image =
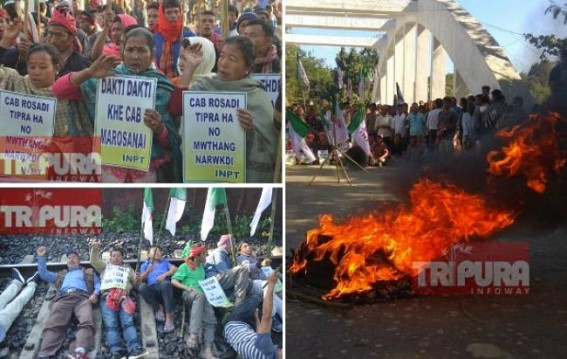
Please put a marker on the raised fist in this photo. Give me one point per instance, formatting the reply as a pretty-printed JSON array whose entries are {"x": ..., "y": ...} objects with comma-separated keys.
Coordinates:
[{"x": 41, "y": 251}]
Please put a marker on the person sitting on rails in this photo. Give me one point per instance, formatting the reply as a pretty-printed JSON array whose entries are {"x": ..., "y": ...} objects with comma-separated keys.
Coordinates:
[
  {"x": 155, "y": 286},
  {"x": 78, "y": 289}
]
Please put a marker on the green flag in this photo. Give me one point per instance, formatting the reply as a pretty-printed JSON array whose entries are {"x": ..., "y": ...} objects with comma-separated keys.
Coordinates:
[{"x": 215, "y": 197}]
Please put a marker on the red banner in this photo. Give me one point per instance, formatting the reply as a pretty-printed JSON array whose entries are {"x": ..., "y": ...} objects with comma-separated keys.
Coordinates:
[{"x": 50, "y": 211}]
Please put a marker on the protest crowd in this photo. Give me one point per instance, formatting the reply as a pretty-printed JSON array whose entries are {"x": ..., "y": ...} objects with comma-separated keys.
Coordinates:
[
  {"x": 120, "y": 71},
  {"x": 235, "y": 301},
  {"x": 381, "y": 134}
]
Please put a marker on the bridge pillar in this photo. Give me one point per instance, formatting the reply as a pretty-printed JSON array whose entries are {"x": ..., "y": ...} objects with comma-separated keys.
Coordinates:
[
  {"x": 390, "y": 79},
  {"x": 399, "y": 61},
  {"x": 460, "y": 88},
  {"x": 408, "y": 86},
  {"x": 437, "y": 70},
  {"x": 421, "y": 64}
]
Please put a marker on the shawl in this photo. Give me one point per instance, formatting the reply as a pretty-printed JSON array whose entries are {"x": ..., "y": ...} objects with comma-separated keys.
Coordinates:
[
  {"x": 170, "y": 33},
  {"x": 209, "y": 56},
  {"x": 163, "y": 93},
  {"x": 262, "y": 141},
  {"x": 117, "y": 298},
  {"x": 266, "y": 61}
]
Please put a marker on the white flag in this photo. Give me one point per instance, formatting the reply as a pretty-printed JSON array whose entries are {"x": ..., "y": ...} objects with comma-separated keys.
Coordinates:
[
  {"x": 264, "y": 202},
  {"x": 178, "y": 197},
  {"x": 147, "y": 221},
  {"x": 215, "y": 197}
]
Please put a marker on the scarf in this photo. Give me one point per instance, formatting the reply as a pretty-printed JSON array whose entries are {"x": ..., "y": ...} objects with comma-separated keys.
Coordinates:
[
  {"x": 170, "y": 33},
  {"x": 117, "y": 299},
  {"x": 195, "y": 252},
  {"x": 262, "y": 141},
  {"x": 267, "y": 60},
  {"x": 67, "y": 21}
]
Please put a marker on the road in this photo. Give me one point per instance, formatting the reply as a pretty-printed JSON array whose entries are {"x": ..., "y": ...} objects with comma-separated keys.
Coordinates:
[{"x": 532, "y": 326}]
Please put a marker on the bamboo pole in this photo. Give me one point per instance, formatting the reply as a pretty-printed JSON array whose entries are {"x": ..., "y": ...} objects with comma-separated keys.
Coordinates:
[{"x": 272, "y": 220}]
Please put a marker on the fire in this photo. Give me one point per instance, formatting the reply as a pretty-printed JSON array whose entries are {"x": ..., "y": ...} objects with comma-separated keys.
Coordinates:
[
  {"x": 533, "y": 151},
  {"x": 437, "y": 216}
]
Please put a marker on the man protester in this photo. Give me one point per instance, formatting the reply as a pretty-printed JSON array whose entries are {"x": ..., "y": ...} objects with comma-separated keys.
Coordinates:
[
  {"x": 13, "y": 299},
  {"x": 117, "y": 307},
  {"x": 156, "y": 287},
  {"x": 202, "y": 317},
  {"x": 230, "y": 278},
  {"x": 78, "y": 289},
  {"x": 261, "y": 34},
  {"x": 239, "y": 330},
  {"x": 206, "y": 29},
  {"x": 62, "y": 34},
  {"x": 87, "y": 23}
]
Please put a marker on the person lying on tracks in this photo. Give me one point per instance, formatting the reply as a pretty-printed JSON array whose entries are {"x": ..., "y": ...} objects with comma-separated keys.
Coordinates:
[
  {"x": 78, "y": 289},
  {"x": 12, "y": 301}
]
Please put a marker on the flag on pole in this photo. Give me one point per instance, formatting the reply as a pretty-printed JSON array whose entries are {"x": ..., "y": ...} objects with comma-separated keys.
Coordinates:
[
  {"x": 147, "y": 221},
  {"x": 361, "y": 86},
  {"x": 358, "y": 132},
  {"x": 215, "y": 197},
  {"x": 301, "y": 73},
  {"x": 177, "y": 199},
  {"x": 400, "y": 96},
  {"x": 265, "y": 200},
  {"x": 339, "y": 130},
  {"x": 298, "y": 130}
]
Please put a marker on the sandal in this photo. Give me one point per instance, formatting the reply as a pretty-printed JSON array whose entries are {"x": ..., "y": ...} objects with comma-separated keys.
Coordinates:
[
  {"x": 168, "y": 327},
  {"x": 160, "y": 317},
  {"x": 192, "y": 342}
]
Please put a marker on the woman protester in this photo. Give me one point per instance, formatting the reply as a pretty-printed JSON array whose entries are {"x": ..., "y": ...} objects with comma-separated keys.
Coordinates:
[
  {"x": 234, "y": 65},
  {"x": 43, "y": 64},
  {"x": 114, "y": 26},
  {"x": 138, "y": 55}
]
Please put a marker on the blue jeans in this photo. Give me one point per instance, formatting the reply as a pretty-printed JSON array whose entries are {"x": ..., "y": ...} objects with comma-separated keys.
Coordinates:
[
  {"x": 112, "y": 321},
  {"x": 245, "y": 311}
]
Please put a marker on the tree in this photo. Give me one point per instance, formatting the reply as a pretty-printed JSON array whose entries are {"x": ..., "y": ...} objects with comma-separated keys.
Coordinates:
[
  {"x": 537, "y": 79},
  {"x": 320, "y": 77},
  {"x": 549, "y": 44},
  {"x": 357, "y": 66}
]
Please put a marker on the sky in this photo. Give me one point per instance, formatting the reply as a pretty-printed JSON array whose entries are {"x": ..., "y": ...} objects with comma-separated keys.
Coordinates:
[{"x": 505, "y": 20}]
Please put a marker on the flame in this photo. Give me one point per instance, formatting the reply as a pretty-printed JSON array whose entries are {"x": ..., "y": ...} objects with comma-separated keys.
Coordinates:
[
  {"x": 533, "y": 151},
  {"x": 438, "y": 216}
]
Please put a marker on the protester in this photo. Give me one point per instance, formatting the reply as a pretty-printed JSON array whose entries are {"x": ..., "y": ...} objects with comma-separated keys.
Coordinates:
[
  {"x": 232, "y": 279},
  {"x": 155, "y": 286},
  {"x": 206, "y": 28},
  {"x": 78, "y": 289},
  {"x": 114, "y": 26},
  {"x": 168, "y": 33},
  {"x": 153, "y": 14},
  {"x": 258, "y": 277},
  {"x": 234, "y": 67},
  {"x": 116, "y": 305},
  {"x": 202, "y": 315},
  {"x": 12, "y": 301},
  {"x": 243, "y": 21},
  {"x": 138, "y": 57},
  {"x": 267, "y": 60},
  {"x": 247, "y": 333},
  {"x": 43, "y": 64}
]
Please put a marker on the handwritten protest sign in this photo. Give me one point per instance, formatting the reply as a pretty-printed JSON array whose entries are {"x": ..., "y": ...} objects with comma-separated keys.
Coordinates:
[
  {"x": 125, "y": 141},
  {"x": 213, "y": 141},
  {"x": 27, "y": 124},
  {"x": 214, "y": 293},
  {"x": 272, "y": 84}
]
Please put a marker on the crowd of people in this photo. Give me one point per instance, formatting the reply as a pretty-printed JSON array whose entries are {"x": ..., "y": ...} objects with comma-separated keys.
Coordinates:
[
  {"x": 247, "y": 326},
  {"x": 75, "y": 47},
  {"x": 443, "y": 126}
]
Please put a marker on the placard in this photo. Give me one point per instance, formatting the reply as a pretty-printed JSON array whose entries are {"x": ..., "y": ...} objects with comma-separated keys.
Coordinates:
[
  {"x": 125, "y": 141},
  {"x": 214, "y": 293},
  {"x": 214, "y": 144},
  {"x": 272, "y": 84}
]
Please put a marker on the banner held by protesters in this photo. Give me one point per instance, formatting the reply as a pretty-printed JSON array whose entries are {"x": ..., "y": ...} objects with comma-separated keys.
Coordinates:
[
  {"x": 119, "y": 120},
  {"x": 214, "y": 142}
]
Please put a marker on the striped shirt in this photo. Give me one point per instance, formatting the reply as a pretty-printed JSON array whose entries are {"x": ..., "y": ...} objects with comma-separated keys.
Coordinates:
[{"x": 247, "y": 343}]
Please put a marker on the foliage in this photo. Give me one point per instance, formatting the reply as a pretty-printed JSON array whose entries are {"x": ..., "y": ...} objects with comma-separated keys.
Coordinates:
[
  {"x": 449, "y": 83},
  {"x": 320, "y": 77},
  {"x": 549, "y": 44},
  {"x": 537, "y": 79},
  {"x": 122, "y": 221},
  {"x": 356, "y": 66}
]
